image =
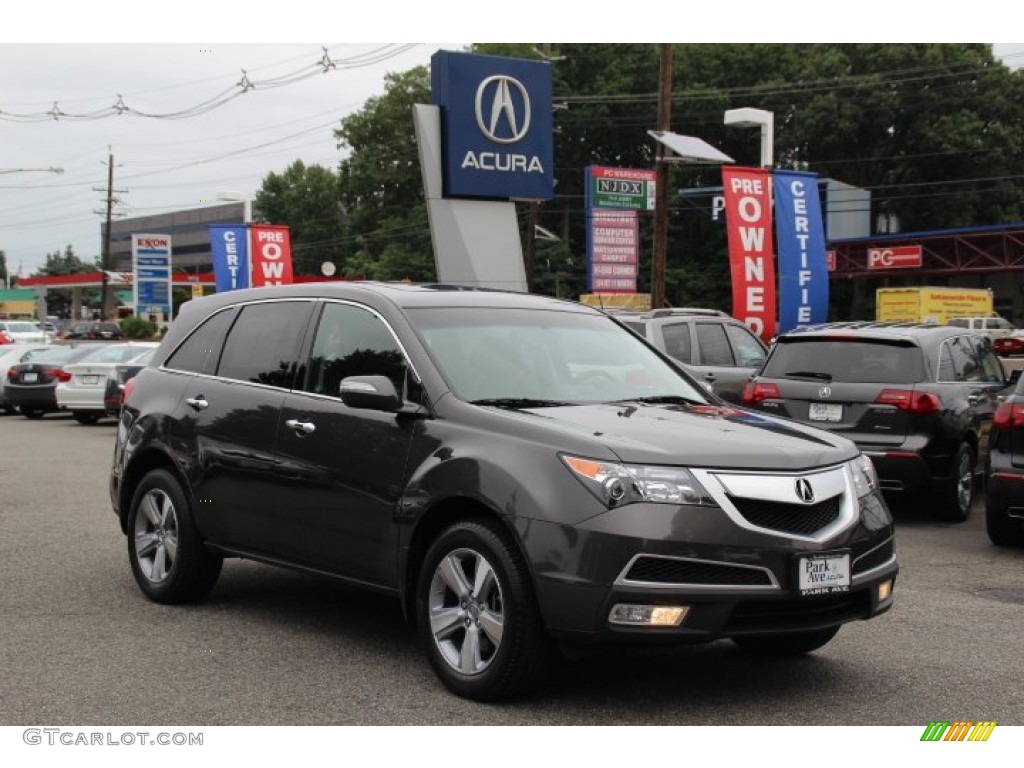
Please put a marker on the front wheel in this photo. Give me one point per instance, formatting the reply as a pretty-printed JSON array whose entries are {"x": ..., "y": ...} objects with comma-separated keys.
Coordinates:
[
  {"x": 477, "y": 615},
  {"x": 788, "y": 644},
  {"x": 85, "y": 417},
  {"x": 31, "y": 413},
  {"x": 956, "y": 492},
  {"x": 168, "y": 559}
]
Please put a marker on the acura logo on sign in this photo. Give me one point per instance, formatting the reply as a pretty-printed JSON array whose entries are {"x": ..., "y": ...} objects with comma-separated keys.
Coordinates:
[
  {"x": 505, "y": 122},
  {"x": 825, "y": 392},
  {"x": 804, "y": 492}
]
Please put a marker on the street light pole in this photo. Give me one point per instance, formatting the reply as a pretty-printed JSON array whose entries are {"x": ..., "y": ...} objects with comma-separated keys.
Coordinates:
[
  {"x": 748, "y": 117},
  {"x": 660, "y": 255}
]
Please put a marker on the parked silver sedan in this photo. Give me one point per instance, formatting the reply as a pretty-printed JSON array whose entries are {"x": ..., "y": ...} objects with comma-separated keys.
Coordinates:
[{"x": 83, "y": 389}]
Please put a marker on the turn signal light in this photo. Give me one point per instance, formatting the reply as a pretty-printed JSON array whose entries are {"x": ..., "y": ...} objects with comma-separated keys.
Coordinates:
[
  {"x": 910, "y": 401},
  {"x": 1007, "y": 416}
]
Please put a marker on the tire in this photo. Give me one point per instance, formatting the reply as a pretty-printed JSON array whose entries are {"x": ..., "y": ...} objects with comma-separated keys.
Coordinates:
[
  {"x": 1003, "y": 530},
  {"x": 9, "y": 409},
  {"x": 477, "y": 615},
  {"x": 956, "y": 492},
  {"x": 168, "y": 558},
  {"x": 32, "y": 413},
  {"x": 86, "y": 417},
  {"x": 788, "y": 644}
]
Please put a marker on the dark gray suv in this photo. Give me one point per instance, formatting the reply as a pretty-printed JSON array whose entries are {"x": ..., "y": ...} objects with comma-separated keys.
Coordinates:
[
  {"x": 715, "y": 347},
  {"x": 513, "y": 469}
]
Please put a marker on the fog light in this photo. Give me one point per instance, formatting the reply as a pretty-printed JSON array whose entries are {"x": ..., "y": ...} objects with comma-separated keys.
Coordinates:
[
  {"x": 884, "y": 590},
  {"x": 648, "y": 615}
]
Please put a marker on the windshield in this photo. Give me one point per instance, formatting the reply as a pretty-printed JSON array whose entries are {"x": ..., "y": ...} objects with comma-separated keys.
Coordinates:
[
  {"x": 23, "y": 327},
  {"x": 547, "y": 356},
  {"x": 51, "y": 355},
  {"x": 114, "y": 354}
]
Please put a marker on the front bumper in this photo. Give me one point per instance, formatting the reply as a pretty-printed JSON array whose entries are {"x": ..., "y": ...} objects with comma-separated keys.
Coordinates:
[{"x": 733, "y": 581}]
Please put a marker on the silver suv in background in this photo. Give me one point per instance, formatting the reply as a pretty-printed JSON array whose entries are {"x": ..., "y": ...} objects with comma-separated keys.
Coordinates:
[
  {"x": 993, "y": 327},
  {"x": 714, "y": 347}
]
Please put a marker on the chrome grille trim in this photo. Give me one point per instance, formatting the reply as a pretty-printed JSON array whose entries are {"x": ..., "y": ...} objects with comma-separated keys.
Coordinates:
[{"x": 622, "y": 581}]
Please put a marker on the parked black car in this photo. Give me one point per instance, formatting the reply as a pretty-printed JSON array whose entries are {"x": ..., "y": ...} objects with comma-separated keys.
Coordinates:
[
  {"x": 1004, "y": 491},
  {"x": 917, "y": 399},
  {"x": 512, "y": 468},
  {"x": 714, "y": 346},
  {"x": 95, "y": 330},
  {"x": 31, "y": 386}
]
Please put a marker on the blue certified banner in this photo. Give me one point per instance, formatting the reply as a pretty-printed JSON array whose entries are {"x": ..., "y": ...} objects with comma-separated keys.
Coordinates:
[
  {"x": 496, "y": 124},
  {"x": 800, "y": 240},
  {"x": 230, "y": 248}
]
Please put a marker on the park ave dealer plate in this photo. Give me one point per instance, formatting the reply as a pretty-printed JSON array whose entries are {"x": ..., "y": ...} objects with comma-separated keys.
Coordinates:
[
  {"x": 826, "y": 412},
  {"x": 824, "y": 574}
]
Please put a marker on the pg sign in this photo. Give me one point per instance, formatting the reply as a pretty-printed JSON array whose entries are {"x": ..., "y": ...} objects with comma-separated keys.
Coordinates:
[
  {"x": 899, "y": 257},
  {"x": 496, "y": 126}
]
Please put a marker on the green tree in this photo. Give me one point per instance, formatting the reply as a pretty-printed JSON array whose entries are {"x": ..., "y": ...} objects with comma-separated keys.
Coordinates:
[
  {"x": 381, "y": 186},
  {"x": 3, "y": 269},
  {"x": 306, "y": 198},
  {"x": 58, "y": 301}
]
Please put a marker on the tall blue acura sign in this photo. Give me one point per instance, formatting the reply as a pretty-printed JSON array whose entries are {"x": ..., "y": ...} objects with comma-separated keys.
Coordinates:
[{"x": 496, "y": 124}]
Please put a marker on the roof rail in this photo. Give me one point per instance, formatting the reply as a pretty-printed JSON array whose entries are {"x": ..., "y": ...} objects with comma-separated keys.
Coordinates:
[{"x": 687, "y": 311}]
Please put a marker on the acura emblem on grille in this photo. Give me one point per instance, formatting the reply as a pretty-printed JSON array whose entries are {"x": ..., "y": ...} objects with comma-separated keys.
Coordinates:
[
  {"x": 804, "y": 492},
  {"x": 825, "y": 392}
]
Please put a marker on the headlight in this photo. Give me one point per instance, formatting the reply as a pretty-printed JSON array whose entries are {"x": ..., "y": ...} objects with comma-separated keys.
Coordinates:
[
  {"x": 865, "y": 479},
  {"x": 617, "y": 484}
]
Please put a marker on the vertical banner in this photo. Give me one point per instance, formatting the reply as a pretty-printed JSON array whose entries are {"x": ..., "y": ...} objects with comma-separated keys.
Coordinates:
[
  {"x": 230, "y": 250},
  {"x": 151, "y": 270},
  {"x": 800, "y": 237},
  {"x": 748, "y": 215},
  {"x": 613, "y": 251},
  {"x": 271, "y": 255}
]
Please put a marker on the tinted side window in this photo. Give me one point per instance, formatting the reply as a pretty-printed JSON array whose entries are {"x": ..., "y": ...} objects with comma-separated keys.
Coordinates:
[
  {"x": 959, "y": 322},
  {"x": 200, "y": 351},
  {"x": 714, "y": 345},
  {"x": 263, "y": 344},
  {"x": 352, "y": 341},
  {"x": 991, "y": 370},
  {"x": 965, "y": 364},
  {"x": 677, "y": 341},
  {"x": 748, "y": 350}
]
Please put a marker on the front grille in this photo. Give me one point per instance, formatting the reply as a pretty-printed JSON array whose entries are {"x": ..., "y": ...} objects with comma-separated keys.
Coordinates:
[
  {"x": 663, "y": 570},
  {"x": 803, "y": 519},
  {"x": 874, "y": 558},
  {"x": 793, "y": 615}
]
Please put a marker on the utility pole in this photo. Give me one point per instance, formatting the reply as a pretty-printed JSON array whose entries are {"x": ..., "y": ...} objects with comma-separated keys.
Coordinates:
[
  {"x": 534, "y": 216},
  {"x": 106, "y": 296},
  {"x": 660, "y": 256}
]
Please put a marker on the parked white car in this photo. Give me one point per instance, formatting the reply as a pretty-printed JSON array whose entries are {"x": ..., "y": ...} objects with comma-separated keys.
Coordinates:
[
  {"x": 82, "y": 392},
  {"x": 25, "y": 331},
  {"x": 12, "y": 354}
]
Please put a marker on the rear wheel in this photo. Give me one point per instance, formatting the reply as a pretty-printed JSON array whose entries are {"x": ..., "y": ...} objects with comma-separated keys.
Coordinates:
[
  {"x": 477, "y": 615},
  {"x": 1003, "y": 530},
  {"x": 86, "y": 417},
  {"x": 168, "y": 558},
  {"x": 956, "y": 492},
  {"x": 788, "y": 644}
]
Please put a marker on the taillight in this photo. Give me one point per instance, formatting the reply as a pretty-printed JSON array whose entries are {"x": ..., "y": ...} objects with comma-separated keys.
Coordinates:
[
  {"x": 755, "y": 392},
  {"x": 1009, "y": 416},
  {"x": 60, "y": 375},
  {"x": 129, "y": 387},
  {"x": 910, "y": 401},
  {"x": 12, "y": 374}
]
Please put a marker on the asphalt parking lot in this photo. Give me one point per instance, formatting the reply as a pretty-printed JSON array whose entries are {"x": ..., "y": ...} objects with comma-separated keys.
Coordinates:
[{"x": 79, "y": 645}]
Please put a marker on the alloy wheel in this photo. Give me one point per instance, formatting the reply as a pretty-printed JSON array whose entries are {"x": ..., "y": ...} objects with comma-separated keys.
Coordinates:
[{"x": 156, "y": 535}]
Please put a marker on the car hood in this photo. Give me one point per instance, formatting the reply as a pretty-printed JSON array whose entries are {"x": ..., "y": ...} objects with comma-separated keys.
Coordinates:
[{"x": 700, "y": 435}]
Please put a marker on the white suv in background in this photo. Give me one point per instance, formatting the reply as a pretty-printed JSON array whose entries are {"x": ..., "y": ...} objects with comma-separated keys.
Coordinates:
[{"x": 993, "y": 327}]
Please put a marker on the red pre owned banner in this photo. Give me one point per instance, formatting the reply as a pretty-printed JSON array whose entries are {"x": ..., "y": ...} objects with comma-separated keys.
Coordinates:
[
  {"x": 271, "y": 255},
  {"x": 748, "y": 210}
]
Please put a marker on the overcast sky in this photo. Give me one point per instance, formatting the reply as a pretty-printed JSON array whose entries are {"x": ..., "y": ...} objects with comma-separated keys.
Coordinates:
[{"x": 166, "y": 163}]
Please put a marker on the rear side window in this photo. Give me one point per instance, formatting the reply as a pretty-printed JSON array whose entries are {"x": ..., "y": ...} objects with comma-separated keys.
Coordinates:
[
  {"x": 263, "y": 344},
  {"x": 852, "y": 360},
  {"x": 200, "y": 351},
  {"x": 714, "y": 345},
  {"x": 677, "y": 341},
  {"x": 959, "y": 361},
  {"x": 748, "y": 350}
]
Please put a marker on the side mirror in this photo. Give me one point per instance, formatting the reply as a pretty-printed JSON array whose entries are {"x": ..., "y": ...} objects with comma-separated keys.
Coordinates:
[{"x": 374, "y": 393}]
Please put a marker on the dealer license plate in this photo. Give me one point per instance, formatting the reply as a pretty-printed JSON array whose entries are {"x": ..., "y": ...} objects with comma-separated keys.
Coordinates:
[
  {"x": 826, "y": 412},
  {"x": 824, "y": 574},
  {"x": 90, "y": 380},
  {"x": 29, "y": 378}
]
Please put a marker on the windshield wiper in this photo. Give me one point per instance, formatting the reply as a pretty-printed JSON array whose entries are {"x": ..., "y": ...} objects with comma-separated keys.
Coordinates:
[
  {"x": 663, "y": 399},
  {"x": 518, "y": 402},
  {"x": 809, "y": 375}
]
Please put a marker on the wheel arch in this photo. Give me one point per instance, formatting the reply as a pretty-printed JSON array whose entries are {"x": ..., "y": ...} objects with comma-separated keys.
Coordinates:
[{"x": 140, "y": 466}]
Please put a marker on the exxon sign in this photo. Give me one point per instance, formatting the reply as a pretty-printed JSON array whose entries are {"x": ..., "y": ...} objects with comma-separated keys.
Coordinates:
[{"x": 497, "y": 127}]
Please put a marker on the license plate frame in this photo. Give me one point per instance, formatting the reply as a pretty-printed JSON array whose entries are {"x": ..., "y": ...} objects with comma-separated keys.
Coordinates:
[
  {"x": 823, "y": 573},
  {"x": 29, "y": 378},
  {"x": 90, "y": 381},
  {"x": 830, "y": 412}
]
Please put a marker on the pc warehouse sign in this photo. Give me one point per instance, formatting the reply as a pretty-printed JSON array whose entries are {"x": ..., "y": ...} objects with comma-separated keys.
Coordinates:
[
  {"x": 496, "y": 126},
  {"x": 151, "y": 266}
]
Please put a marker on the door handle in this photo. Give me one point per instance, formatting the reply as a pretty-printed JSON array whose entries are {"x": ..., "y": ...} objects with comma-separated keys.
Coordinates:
[
  {"x": 301, "y": 427},
  {"x": 197, "y": 403}
]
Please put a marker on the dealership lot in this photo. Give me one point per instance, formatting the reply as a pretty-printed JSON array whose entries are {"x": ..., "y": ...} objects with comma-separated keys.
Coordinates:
[{"x": 80, "y": 645}]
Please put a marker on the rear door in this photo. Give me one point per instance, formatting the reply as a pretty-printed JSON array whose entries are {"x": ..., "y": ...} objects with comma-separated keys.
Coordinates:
[
  {"x": 855, "y": 386},
  {"x": 727, "y": 355}
]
